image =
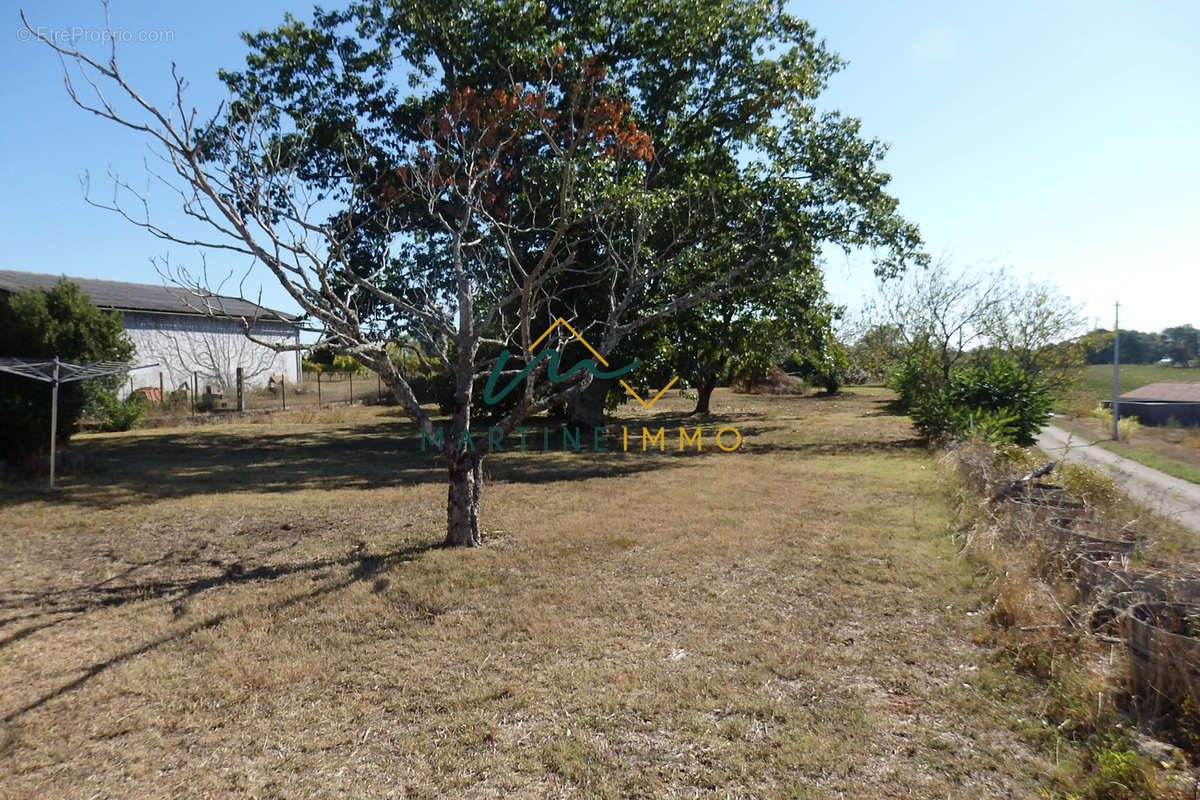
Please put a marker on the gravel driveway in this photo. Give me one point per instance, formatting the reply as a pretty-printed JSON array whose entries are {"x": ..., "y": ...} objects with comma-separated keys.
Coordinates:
[{"x": 1173, "y": 497}]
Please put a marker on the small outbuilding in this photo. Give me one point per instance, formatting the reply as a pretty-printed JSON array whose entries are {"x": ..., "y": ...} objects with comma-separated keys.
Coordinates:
[{"x": 1160, "y": 403}]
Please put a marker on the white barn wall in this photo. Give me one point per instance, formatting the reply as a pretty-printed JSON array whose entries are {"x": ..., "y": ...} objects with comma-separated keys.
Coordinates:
[{"x": 214, "y": 347}]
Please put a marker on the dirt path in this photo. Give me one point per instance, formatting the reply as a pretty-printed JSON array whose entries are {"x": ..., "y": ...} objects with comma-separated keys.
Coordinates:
[{"x": 1168, "y": 495}]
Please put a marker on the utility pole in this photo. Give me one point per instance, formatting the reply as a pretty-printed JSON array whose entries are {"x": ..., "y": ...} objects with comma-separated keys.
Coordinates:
[{"x": 1116, "y": 403}]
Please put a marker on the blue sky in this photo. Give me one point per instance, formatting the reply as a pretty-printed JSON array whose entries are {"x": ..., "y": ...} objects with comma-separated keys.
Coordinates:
[{"x": 1059, "y": 138}]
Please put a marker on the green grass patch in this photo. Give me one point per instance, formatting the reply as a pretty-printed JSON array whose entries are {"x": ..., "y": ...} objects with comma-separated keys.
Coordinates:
[{"x": 1167, "y": 465}]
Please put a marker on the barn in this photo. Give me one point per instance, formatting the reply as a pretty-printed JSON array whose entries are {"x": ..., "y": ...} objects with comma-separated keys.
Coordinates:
[
  {"x": 1160, "y": 403},
  {"x": 185, "y": 331}
]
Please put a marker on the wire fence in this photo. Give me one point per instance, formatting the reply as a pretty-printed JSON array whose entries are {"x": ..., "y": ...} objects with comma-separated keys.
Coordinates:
[{"x": 197, "y": 398}]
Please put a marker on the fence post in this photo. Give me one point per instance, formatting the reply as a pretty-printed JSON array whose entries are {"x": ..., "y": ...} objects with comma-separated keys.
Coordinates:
[
  {"x": 283, "y": 390},
  {"x": 162, "y": 396},
  {"x": 318, "y": 390},
  {"x": 195, "y": 390},
  {"x": 241, "y": 389},
  {"x": 351, "y": 388}
]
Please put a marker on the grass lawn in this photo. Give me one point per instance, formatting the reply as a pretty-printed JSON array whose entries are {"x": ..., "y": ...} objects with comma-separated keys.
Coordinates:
[{"x": 261, "y": 611}]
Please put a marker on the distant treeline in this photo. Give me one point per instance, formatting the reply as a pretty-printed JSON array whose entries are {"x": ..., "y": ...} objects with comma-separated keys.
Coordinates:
[{"x": 1180, "y": 344}]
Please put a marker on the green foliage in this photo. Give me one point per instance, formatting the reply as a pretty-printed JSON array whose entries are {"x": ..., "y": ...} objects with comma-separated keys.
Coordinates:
[
  {"x": 917, "y": 375},
  {"x": 1182, "y": 344},
  {"x": 707, "y": 82},
  {"x": 1118, "y": 772},
  {"x": 38, "y": 324},
  {"x": 1126, "y": 426},
  {"x": 1087, "y": 485},
  {"x": 115, "y": 414},
  {"x": 995, "y": 399},
  {"x": 1136, "y": 347},
  {"x": 876, "y": 352},
  {"x": 828, "y": 366},
  {"x": 326, "y": 363},
  {"x": 939, "y": 319},
  {"x": 405, "y": 357}
]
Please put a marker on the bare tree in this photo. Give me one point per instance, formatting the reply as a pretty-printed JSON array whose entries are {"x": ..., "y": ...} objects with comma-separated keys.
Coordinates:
[
  {"x": 942, "y": 309},
  {"x": 1042, "y": 330},
  {"x": 948, "y": 312},
  {"x": 475, "y": 269}
]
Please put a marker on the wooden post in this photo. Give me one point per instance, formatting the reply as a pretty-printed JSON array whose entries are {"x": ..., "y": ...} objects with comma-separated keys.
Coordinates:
[
  {"x": 318, "y": 390},
  {"x": 195, "y": 390},
  {"x": 162, "y": 396},
  {"x": 283, "y": 390},
  {"x": 241, "y": 389},
  {"x": 131, "y": 384},
  {"x": 351, "y": 388},
  {"x": 53, "y": 422}
]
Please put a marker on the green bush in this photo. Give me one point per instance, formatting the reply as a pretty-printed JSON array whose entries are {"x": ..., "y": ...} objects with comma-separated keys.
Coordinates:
[
  {"x": 828, "y": 368},
  {"x": 1126, "y": 426},
  {"x": 994, "y": 399},
  {"x": 41, "y": 324},
  {"x": 915, "y": 378},
  {"x": 115, "y": 414}
]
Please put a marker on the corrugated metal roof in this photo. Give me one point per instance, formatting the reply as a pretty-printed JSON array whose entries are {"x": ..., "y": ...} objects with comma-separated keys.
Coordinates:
[
  {"x": 122, "y": 296},
  {"x": 1166, "y": 392}
]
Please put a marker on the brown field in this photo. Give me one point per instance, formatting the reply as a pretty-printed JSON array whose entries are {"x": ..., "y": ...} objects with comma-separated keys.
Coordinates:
[{"x": 260, "y": 610}]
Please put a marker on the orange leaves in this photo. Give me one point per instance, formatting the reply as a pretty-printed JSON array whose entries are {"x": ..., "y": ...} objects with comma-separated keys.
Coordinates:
[{"x": 481, "y": 143}]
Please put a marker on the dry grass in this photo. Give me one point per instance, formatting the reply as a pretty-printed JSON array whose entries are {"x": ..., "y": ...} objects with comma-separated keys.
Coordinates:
[
  {"x": 258, "y": 611},
  {"x": 1061, "y": 631}
]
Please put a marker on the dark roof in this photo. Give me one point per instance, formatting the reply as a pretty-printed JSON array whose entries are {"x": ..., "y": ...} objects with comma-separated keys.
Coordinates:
[
  {"x": 121, "y": 296},
  {"x": 1165, "y": 392}
]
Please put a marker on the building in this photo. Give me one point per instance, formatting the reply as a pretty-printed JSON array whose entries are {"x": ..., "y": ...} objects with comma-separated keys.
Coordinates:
[
  {"x": 184, "y": 331},
  {"x": 1159, "y": 403}
]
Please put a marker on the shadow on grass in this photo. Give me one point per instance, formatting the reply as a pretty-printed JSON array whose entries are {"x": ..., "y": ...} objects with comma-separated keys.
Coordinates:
[
  {"x": 835, "y": 448},
  {"x": 384, "y": 452},
  {"x": 888, "y": 408},
  {"x": 365, "y": 566},
  {"x": 377, "y": 454}
]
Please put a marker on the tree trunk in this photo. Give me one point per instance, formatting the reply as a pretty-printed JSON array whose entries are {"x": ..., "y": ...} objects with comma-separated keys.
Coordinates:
[
  {"x": 704, "y": 395},
  {"x": 462, "y": 502},
  {"x": 586, "y": 408}
]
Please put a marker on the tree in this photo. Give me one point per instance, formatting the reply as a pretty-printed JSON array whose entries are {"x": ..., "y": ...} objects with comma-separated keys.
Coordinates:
[
  {"x": 994, "y": 397},
  {"x": 462, "y": 266},
  {"x": 712, "y": 82},
  {"x": 944, "y": 316},
  {"x": 42, "y": 324},
  {"x": 584, "y": 162},
  {"x": 877, "y": 350},
  {"x": 1182, "y": 344},
  {"x": 1136, "y": 347},
  {"x": 1039, "y": 329},
  {"x": 940, "y": 313}
]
